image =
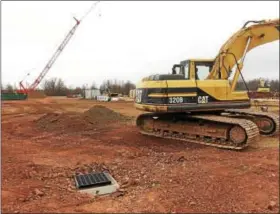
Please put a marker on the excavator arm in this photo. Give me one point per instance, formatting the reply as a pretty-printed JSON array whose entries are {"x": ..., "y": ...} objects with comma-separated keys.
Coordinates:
[{"x": 233, "y": 52}]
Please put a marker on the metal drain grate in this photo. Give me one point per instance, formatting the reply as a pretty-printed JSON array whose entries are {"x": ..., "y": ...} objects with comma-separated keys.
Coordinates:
[{"x": 92, "y": 180}]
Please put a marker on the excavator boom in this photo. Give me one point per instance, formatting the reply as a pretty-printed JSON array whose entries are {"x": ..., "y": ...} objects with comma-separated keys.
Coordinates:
[{"x": 236, "y": 48}]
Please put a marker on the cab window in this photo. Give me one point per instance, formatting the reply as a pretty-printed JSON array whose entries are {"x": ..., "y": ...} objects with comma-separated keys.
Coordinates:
[
  {"x": 202, "y": 70},
  {"x": 177, "y": 70},
  {"x": 186, "y": 69}
]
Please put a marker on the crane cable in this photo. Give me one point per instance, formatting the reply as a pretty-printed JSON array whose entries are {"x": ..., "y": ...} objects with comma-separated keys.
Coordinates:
[{"x": 90, "y": 9}]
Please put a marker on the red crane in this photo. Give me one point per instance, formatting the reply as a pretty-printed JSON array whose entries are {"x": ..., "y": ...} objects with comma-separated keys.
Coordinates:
[
  {"x": 54, "y": 57},
  {"x": 50, "y": 62}
]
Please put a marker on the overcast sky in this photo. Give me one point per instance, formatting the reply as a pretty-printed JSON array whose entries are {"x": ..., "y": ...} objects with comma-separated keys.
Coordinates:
[{"x": 128, "y": 41}]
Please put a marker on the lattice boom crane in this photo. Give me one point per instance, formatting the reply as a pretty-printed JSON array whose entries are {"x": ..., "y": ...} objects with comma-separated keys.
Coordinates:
[
  {"x": 54, "y": 57},
  {"x": 51, "y": 61}
]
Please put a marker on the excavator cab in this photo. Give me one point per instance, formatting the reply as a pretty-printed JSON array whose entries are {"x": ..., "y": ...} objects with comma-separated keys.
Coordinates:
[
  {"x": 202, "y": 68},
  {"x": 188, "y": 88}
]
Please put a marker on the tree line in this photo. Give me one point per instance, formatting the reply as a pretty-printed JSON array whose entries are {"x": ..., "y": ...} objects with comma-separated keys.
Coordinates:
[
  {"x": 116, "y": 86},
  {"x": 57, "y": 87},
  {"x": 254, "y": 84}
]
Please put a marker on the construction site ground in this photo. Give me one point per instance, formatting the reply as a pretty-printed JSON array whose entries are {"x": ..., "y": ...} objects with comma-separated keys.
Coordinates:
[{"x": 45, "y": 142}]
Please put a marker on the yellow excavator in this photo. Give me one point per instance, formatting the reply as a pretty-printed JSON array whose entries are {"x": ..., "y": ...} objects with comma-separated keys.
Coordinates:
[
  {"x": 263, "y": 91},
  {"x": 198, "y": 103},
  {"x": 263, "y": 86}
]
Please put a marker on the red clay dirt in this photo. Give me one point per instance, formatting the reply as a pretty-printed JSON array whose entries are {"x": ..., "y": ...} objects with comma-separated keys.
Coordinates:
[{"x": 45, "y": 142}]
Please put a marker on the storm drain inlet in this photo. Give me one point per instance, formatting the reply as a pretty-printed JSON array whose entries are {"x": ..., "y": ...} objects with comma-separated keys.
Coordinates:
[
  {"x": 92, "y": 180},
  {"x": 96, "y": 183}
]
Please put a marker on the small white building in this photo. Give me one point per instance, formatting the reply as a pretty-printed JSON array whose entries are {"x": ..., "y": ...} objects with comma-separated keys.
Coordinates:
[
  {"x": 132, "y": 93},
  {"x": 92, "y": 94}
]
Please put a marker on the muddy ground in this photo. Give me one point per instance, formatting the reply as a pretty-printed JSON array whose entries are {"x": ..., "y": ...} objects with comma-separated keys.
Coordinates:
[{"x": 45, "y": 142}]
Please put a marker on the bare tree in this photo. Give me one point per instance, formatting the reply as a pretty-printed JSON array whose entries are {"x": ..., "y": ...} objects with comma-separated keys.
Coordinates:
[
  {"x": 115, "y": 86},
  {"x": 93, "y": 86},
  {"x": 274, "y": 85},
  {"x": 55, "y": 87},
  {"x": 127, "y": 87},
  {"x": 9, "y": 88},
  {"x": 83, "y": 90},
  {"x": 254, "y": 84},
  {"x": 106, "y": 86}
]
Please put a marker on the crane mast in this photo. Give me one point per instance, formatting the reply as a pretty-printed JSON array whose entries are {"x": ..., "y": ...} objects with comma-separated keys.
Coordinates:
[
  {"x": 55, "y": 55},
  {"x": 52, "y": 60}
]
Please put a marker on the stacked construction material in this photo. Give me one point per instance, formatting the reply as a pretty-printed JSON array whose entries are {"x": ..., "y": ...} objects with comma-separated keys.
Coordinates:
[{"x": 13, "y": 96}]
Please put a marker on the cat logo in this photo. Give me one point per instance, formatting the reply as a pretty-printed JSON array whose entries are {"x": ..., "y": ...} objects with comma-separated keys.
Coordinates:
[{"x": 202, "y": 99}]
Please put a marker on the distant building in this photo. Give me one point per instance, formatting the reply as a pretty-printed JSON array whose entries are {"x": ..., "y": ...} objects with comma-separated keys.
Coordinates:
[
  {"x": 132, "y": 93},
  {"x": 92, "y": 94}
]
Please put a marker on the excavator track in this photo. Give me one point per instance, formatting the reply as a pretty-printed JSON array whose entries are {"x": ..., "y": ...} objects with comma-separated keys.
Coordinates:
[
  {"x": 268, "y": 123},
  {"x": 211, "y": 130}
]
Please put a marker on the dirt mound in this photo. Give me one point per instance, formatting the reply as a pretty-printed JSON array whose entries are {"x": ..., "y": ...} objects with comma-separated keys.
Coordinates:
[
  {"x": 62, "y": 122},
  {"x": 95, "y": 117},
  {"x": 102, "y": 115}
]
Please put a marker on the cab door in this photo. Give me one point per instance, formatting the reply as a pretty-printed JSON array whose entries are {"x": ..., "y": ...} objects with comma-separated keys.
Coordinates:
[{"x": 208, "y": 90}]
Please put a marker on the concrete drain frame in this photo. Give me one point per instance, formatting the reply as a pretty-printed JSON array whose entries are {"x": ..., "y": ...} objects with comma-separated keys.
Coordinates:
[{"x": 97, "y": 183}]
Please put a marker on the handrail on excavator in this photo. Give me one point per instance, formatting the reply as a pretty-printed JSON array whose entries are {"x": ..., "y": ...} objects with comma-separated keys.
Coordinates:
[{"x": 252, "y": 21}]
